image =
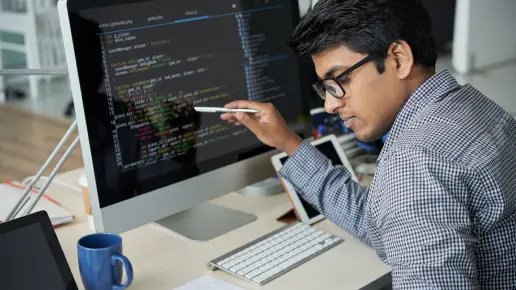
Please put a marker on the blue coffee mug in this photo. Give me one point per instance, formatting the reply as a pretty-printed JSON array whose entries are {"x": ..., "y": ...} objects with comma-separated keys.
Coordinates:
[{"x": 101, "y": 260}]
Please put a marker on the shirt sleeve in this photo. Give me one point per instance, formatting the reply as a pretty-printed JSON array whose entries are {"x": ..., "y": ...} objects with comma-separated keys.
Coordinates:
[
  {"x": 329, "y": 189},
  {"x": 422, "y": 211}
]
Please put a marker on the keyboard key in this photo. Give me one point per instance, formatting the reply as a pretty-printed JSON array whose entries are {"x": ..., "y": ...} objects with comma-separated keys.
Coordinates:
[
  {"x": 260, "y": 263},
  {"x": 287, "y": 263},
  {"x": 253, "y": 274},
  {"x": 253, "y": 259},
  {"x": 328, "y": 241},
  {"x": 312, "y": 251},
  {"x": 258, "y": 279},
  {"x": 245, "y": 271},
  {"x": 304, "y": 255},
  {"x": 238, "y": 267},
  {"x": 326, "y": 235},
  {"x": 278, "y": 268},
  {"x": 271, "y": 272},
  {"x": 246, "y": 263},
  {"x": 228, "y": 265}
]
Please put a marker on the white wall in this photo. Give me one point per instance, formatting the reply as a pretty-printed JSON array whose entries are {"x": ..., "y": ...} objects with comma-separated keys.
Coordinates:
[
  {"x": 484, "y": 34},
  {"x": 305, "y": 4}
]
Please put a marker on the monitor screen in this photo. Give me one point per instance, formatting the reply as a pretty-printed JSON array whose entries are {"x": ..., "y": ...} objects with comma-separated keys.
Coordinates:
[
  {"x": 27, "y": 261},
  {"x": 329, "y": 151},
  {"x": 142, "y": 67}
]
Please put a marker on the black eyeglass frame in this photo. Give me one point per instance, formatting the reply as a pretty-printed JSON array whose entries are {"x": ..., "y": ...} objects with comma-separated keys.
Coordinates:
[{"x": 321, "y": 89}]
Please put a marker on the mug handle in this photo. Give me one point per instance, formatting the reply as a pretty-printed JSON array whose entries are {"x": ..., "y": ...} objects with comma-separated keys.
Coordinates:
[{"x": 128, "y": 270}]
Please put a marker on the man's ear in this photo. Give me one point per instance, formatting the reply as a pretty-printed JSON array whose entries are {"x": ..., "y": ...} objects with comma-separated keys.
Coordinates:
[{"x": 402, "y": 57}]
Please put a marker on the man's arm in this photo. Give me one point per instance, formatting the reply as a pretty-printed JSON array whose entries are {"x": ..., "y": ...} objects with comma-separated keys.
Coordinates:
[
  {"x": 424, "y": 218},
  {"x": 328, "y": 188}
]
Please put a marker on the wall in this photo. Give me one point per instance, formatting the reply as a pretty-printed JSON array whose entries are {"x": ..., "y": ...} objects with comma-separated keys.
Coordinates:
[{"x": 484, "y": 34}]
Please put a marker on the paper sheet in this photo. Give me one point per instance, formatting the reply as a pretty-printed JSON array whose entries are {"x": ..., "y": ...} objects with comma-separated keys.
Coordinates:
[
  {"x": 207, "y": 283},
  {"x": 10, "y": 192}
]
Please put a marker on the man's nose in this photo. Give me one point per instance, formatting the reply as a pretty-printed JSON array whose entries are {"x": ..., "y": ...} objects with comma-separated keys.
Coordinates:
[{"x": 331, "y": 104}]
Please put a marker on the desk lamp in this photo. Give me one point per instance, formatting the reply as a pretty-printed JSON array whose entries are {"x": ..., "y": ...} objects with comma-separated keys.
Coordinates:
[{"x": 25, "y": 198}]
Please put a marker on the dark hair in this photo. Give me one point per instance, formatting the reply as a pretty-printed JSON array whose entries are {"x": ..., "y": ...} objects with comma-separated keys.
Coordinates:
[{"x": 367, "y": 26}]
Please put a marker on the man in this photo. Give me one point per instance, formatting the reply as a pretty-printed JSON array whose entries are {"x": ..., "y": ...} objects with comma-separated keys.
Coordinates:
[{"x": 442, "y": 207}]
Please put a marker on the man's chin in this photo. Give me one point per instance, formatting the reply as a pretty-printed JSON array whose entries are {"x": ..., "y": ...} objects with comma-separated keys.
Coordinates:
[{"x": 368, "y": 136}]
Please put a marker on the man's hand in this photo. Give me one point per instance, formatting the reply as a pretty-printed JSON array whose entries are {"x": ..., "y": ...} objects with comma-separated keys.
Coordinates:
[{"x": 267, "y": 125}]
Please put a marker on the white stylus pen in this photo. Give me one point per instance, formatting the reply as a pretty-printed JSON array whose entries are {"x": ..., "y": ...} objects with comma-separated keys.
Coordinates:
[{"x": 223, "y": 110}]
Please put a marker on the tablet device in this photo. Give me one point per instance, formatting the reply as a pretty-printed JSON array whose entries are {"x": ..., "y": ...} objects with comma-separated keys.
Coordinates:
[
  {"x": 331, "y": 148},
  {"x": 31, "y": 256}
]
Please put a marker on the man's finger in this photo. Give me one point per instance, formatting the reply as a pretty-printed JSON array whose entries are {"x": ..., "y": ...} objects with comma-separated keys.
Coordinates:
[
  {"x": 248, "y": 121},
  {"x": 227, "y": 116}
]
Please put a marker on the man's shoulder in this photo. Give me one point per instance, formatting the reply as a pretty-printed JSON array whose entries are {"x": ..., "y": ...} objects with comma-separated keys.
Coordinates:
[{"x": 459, "y": 124}]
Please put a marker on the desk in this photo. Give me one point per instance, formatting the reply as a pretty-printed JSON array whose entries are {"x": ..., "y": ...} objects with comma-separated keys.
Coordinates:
[{"x": 164, "y": 260}]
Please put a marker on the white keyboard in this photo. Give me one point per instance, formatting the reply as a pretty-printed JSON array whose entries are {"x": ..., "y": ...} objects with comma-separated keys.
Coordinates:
[{"x": 276, "y": 253}]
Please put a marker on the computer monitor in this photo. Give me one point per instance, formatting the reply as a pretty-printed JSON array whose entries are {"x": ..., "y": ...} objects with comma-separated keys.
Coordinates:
[{"x": 137, "y": 68}]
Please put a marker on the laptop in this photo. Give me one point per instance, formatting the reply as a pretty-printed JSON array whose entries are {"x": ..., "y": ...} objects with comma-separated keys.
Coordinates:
[{"x": 31, "y": 256}]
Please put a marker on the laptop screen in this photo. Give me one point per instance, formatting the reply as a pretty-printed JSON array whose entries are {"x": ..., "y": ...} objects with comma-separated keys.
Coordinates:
[{"x": 28, "y": 258}]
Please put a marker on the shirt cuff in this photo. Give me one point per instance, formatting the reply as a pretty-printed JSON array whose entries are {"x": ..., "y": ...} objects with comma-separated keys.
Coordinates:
[{"x": 304, "y": 163}]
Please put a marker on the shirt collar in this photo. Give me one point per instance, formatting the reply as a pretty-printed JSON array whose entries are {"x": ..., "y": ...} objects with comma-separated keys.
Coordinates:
[{"x": 434, "y": 88}]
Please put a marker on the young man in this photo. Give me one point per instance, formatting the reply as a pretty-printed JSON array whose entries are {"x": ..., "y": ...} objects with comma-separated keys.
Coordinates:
[{"x": 442, "y": 207}]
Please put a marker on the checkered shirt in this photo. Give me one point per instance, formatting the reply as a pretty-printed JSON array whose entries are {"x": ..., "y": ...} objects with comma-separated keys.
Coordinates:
[{"x": 441, "y": 210}]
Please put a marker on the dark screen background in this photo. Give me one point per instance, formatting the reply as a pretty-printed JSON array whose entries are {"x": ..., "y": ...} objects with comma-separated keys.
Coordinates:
[
  {"x": 26, "y": 261},
  {"x": 144, "y": 65},
  {"x": 328, "y": 150}
]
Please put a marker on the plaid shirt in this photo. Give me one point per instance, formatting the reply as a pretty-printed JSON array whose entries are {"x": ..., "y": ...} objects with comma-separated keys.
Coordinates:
[{"x": 441, "y": 210}]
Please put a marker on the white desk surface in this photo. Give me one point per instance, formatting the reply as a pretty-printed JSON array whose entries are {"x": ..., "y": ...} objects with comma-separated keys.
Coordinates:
[{"x": 164, "y": 260}]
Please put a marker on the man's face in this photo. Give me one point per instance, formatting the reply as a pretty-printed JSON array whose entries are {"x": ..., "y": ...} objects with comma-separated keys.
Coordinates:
[{"x": 371, "y": 101}]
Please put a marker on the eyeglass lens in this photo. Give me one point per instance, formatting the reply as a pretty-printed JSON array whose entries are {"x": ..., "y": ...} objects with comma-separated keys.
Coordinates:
[{"x": 333, "y": 88}]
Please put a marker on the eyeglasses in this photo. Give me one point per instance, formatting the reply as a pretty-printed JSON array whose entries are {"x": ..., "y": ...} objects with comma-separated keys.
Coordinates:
[{"x": 333, "y": 85}]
